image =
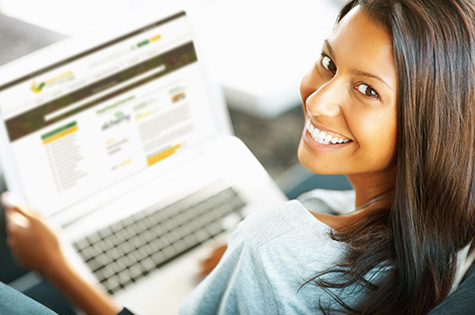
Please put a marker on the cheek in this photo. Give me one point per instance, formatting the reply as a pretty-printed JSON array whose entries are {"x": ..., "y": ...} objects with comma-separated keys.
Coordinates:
[{"x": 377, "y": 137}]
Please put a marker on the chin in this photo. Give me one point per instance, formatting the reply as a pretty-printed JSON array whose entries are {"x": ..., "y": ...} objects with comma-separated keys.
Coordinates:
[{"x": 313, "y": 165}]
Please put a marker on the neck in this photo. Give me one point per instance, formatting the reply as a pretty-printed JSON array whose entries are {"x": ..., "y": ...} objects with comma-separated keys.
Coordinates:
[{"x": 368, "y": 186}]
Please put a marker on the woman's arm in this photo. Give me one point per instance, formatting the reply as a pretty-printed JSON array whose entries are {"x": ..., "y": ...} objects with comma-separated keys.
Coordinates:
[{"x": 36, "y": 245}]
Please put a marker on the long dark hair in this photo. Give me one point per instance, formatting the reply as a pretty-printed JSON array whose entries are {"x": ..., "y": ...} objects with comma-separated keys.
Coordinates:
[{"x": 432, "y": 216}]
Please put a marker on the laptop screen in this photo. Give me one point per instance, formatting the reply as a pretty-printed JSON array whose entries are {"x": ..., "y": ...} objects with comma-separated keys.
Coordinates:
[{"x": 102, "y": 115}]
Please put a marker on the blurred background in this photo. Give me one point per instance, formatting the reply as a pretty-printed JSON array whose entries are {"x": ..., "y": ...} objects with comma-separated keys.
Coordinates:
[{"x": 257, "y": 50}]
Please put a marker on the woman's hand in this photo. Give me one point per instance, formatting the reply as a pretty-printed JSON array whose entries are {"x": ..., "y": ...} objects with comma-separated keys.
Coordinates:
[
  {"x": 209, "y": 263},
  {"x": 34, "y": 242}
]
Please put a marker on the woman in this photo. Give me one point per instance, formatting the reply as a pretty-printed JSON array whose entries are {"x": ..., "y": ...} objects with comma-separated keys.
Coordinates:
[{"x": 389, "y": 103}]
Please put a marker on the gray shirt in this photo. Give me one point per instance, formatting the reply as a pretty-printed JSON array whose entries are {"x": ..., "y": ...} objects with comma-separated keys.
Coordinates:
[
  {"x": 270, "y": 255},
  {"x": 273, "y": 252}
]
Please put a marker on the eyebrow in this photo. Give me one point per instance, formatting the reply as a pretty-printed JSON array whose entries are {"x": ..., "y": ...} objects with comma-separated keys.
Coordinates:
[
  {"x": 330, "y": 49},
  {"x": 370, "y": 75},
  {"x": 357, "y": 72}
]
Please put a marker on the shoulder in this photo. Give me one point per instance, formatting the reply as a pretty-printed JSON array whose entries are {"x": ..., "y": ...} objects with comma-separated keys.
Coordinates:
[
  {"x": 276, "y": 222},
  {"x": 288, "y": 246},
  {"x": 292, "y": 213},
  {"x": 287, "y": 235}
]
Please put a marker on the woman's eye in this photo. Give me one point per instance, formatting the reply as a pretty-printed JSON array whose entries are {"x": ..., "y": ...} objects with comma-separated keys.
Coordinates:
[
  {"x": 367, "y": 90},
  {"x": 328, "y": 64}
]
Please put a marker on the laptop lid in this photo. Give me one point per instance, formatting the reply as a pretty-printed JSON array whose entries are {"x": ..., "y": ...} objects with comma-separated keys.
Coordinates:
[{"x": 88, "y": 119}]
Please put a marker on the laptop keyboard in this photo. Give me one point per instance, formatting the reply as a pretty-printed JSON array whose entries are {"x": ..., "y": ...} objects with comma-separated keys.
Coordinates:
[{"x": 128, "y": 250}]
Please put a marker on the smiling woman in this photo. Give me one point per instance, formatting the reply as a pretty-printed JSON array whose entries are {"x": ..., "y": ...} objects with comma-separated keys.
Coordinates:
[
  {"x": 382, "y": 83},
  {"x": 390, "y": 103}
]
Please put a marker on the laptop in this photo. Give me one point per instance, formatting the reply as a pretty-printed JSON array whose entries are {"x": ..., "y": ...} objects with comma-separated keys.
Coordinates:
[{"x": 121, "y": 138}]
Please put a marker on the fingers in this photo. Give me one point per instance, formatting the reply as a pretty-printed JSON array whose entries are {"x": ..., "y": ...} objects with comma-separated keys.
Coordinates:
[
  {"x": 209, "y": 263},
  {"x": 32, "y": 239},
  {"x": 15, "y": 219},
  {"x": 16, "y": 228},
  {"x": 15, "y": 214},
  {"x": 12, "y": 202}
]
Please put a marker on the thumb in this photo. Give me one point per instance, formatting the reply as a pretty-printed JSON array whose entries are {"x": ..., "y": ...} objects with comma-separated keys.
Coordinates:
[
  {"x": 15, "y": 204},
  {"x": 17, "y": 214}
]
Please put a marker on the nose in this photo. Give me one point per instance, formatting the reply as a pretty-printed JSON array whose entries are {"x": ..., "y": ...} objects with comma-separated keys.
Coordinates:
[{"x": 325, "y": 101}]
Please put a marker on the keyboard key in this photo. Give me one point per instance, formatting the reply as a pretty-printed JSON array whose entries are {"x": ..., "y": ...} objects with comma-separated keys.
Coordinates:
[{"x": 148, "y": 264}]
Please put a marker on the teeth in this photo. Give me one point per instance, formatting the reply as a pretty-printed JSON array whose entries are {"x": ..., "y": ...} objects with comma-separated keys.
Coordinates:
[
  {"x": 322, "y": 137},
  {"x": 315, "y": 133}
]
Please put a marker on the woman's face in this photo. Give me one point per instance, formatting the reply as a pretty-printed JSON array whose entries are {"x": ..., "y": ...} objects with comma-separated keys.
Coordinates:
[{"x": 349, "y": 101}]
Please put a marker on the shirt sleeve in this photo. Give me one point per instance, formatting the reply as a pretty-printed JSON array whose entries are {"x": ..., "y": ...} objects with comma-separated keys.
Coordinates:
[
  {"x": 238, "y": 285},
  {"x": 13, "y": 302}
]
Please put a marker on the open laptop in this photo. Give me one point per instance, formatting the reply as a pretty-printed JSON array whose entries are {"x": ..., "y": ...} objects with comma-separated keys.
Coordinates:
[{"x": 122, "y": 140}]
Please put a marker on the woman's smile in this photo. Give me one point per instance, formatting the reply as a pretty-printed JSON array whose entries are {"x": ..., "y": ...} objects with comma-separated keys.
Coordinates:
[
  {"x": 323, "y": 136},
  {"x": 322, "y": 140}
]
